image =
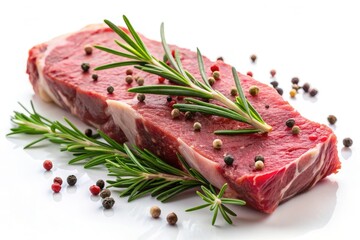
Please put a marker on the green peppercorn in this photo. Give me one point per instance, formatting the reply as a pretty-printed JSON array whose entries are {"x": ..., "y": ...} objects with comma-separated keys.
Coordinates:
[
  {"x": 140, "y": 81},
  {"x": 259, "y": 158},
  {"x": 188, "y": 115},
  {"x": 211, "y": 81},
  {"x": 88, "y": 49},
  {"x": 348, "y": 142},
  {"x": 259, "y": 165},
  {"x": 110, "y": 89},
  {"x": 295, "y": 130},
  {"x": 129, "y": 72},
  {"x": 197, "y": 126},
  {"x": 129, "y": 79},
  {"x": 71, "y": 180},
  {"x": 332, "y": 119},
  {"x": 95, "y": 77},
  {"x": 100, "y": 183},
  {"x": 290, "y": 122},
  {"x": 175, "y": 113},
  {"x": 228, "y": 159},
  {"x": 172, "y": 218},
  {"x": 108, "y": 202},
  {"x": 216, "y": 75},
  {"x": 217, "y": 143},
  {"x": 85, "y": 67},
  {"x": 254, "y": 90},
  {"x": 105, "y": 193},
  {"x": 141, "y": 97},
  {"x": 233, "y": 92},
  {"x": 155, "y": 211},
  {"x": 295, "y": 80},
  {"x": 306, "y": 87}
]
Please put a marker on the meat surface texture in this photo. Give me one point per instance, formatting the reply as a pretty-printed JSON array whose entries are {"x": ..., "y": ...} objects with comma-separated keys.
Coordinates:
[{"x": 293, "y": 163}]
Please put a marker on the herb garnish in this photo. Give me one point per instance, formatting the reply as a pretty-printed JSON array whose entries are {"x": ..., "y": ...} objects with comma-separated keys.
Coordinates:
[
  {"x": 137, "y": 172},
  {"x": 187, "y": 85}
]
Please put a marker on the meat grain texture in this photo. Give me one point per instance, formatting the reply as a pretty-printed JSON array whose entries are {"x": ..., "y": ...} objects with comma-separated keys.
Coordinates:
[{"x": 293, "y": 163}]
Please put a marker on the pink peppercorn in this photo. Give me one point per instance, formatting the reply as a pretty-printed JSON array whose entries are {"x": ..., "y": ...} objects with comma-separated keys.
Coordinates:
[
  {"x": 58, "y": 180},
  {"x": 249, "y": 73},
  {"x": 161, "y": 79},
  {"x": 273, "y": 72},
  {"x": 214, "y": 68},
  {"x": 47, "y": 165},
  {"x": 56, "y": 187},
  {"x": 171, "y": 103},
  {"x": 95, "y": 190}
]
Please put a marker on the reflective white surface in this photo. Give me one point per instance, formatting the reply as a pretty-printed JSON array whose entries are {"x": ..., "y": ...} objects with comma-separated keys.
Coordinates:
[{"x": 316, "y": 41}]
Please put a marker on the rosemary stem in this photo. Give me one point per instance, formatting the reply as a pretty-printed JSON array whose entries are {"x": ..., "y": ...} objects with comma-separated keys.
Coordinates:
[{"x": 167, "y": 177}]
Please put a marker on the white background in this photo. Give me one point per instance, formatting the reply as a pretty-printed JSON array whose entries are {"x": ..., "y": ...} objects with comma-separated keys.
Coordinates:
[{"x": 318, "y": 41}]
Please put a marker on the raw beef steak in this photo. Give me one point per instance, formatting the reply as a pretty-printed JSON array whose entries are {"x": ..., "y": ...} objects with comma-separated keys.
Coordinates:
[{"x": 293, "y": 163}]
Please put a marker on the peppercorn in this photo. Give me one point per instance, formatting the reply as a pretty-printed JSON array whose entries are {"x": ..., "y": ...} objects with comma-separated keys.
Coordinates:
[
  {"x": 155, "y": 211},
  {"x": 253, "y": 57},
  {"x": 313, "y": 92},
  {"x": 95, "y": 190},
  {"x": 267, "y": 106},
  {"x": 259, "y": 158},
  {"x": 110, "y": 89},
  {"x": 161, "y": 79},
  {"x": 214, "y": 68},
  {"x": 140, "y": 81},
  {"x": 295, "y": 130},
  {"x": 216, "y": 75},
  {"x": 233, "y": 91},
  {"x": 332, "y": 119},
  {"x": 306, "y": 87},
  {"x": 105, "y": 193},
  {"x": 211, "y": 81},
  {"x": 171, "y": 218},
  {"x": 168, "y": 98},
  {"x": 172, "y": 103},
  {"x": 217, "y": 143},
  {"x": 71, "y": 180},
  {"x": 95, "y": 77},
  {"x": 220, "y": 59},
  {"x": 108, "y": 202},
  {"x": 228, "y": 159},
  {"x": 249, "y": 73},
  {"x": 259, "y": 165},
  {"x": 58, "y": 180},
  {"x": 254, "y": 90},
  {"x": 88, "y": 132},
  {"x": 274, "y": 83},
  {"x": 296, "y": 87},
  {"x": 273, "y": 72},
  {"x": 197, "y": 126},
  {"x": 56, "y": 187},
  {"x": 88, "y": 49},
  {"x": 290, "y": 122},
  {"x": 175, "y": 113},
  {"x": 129, "y": 71},
  {"x": 292, "y": 93},
  {"x": 295, "y": 80},
  {"x": 85, "y": 67},
  {"x": 279, "y": 90},
  {"x": 141, "y": 97},
  {"x": 188, "y": 115},
  {"x": 129, "y": 79},
  {"x": 47, "y": 164},
  {"x": 347, "y": 142},
  {"x": 100, "y": 183}
]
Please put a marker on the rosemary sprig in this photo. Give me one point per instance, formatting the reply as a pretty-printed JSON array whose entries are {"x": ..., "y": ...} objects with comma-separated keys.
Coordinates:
[
  {"x": 186, "y": 84},
  {"x": 137, "y": 172},
  {"x": 216, "y": 203}
]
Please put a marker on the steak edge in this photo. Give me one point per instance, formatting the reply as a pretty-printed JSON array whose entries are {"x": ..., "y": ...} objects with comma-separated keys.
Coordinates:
[{"x": 293, "y": 163}]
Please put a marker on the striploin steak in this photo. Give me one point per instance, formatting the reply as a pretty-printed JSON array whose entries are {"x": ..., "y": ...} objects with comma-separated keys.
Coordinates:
[{"x": 293, "y": 163}]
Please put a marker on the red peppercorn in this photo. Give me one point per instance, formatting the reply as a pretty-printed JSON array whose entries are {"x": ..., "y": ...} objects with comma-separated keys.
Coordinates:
[
  {"x": 214, "y": 68},
  {"x": 47, "y": 165},
  {"x": 161, "y": 79},
  {"x": 171, "y": 104},
  {"x": 249, "y": 73},
  {"x": 173, "y": 53},
  {"x": 180, "y": 98},
  {"x": 58, "y": 180},
  {"x": 273, "y": 72},
  {"x": 95, "y": 190},
  {"x": 56, "y": 187}
]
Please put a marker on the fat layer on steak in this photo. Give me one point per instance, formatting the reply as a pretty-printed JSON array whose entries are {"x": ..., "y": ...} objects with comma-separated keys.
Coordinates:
[{"x": 293, "y": 163}]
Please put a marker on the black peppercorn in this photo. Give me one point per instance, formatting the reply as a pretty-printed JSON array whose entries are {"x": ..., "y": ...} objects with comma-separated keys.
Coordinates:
[
  {"x": 259, "y": 158},
  {"x": 228, "y": 159},
  {"x": 129, "y": 72},
  {"x": 188, "y": 115},
  {"x": 253, "y": 57},
  {"x": 169, "y": 99},
  {"x": 110, "y": 89},
  {"x": 108, "y": 202},
  {"x": 171, "y": 218},
  {"x": 290, "y": 122},
  {"x": 347, "y": 142},
  {"x": 313, "y": 92},
  {"x": 220, "y": 59},
  {"x": 295, "y": 80},
  {"x": 95, "y": 77},
  {"x": 105, "y": 193},
  {"x": 88, "y": 132},
  {"x": 100, "y": 183},
  {"x": 279, "y": 90},
  {"x": 332, "y": 119},
  {"x": 267, "y": 106},
  {"x": 85, "y": 67},
  {"x": 71, "y": 180},
  {"x": 306, "y": 87},
  {"x": 274, "y": 83}
]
